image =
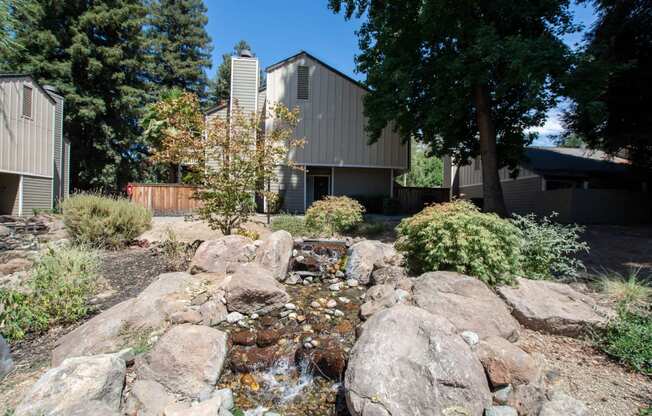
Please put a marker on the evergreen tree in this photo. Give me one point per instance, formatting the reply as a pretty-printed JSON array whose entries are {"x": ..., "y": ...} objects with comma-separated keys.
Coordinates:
[
  {"x": 221, "y": 84},
  {"x": 93, "y": 53},
  {"x": 179, "y": 46},
  {"x": 464, "y": 76},
  {"x": 426, "y": 171}
]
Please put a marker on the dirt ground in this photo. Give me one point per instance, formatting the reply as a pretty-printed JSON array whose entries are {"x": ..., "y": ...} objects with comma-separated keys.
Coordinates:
[
  {"x": 124, "y": 274},
  {"x": 618, "y": 248},
  {"x": 188, "y": 230}
]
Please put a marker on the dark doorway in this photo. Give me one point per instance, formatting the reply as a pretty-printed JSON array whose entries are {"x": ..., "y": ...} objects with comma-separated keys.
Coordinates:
[{"x": 321, "y": 187}]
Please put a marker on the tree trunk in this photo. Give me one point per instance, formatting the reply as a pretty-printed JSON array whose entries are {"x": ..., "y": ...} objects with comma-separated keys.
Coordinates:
[{"x": 491, "y": 188}]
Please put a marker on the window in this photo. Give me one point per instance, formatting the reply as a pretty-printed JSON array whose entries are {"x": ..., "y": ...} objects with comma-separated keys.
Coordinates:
[
  {"x": 27, "y": 101},
  {"x": 303, "y": 83}
]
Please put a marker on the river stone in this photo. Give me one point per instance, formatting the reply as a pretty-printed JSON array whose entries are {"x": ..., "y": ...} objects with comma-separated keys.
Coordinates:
[
  {"x": 253, "y": 289},
  {"x": 407, "y": 362},
  {"x": 500, "y": 411},
  {"x": 223, "y": 255},
  {"x": 213, "y": 312},
  {"x": 188, "y": 359},
  {"x": 147, "y": 398},
  {"x": 561, "y": 404},
  {"x": 552, "y": 307},
  {"x": 274, "y": 253},
  {"x": 116, "y": 327},
  {"x": 79, "y": 386},
  {"x": 6, "y": 362},
  {"x": 366, "y": 256},
  {"x": 505, "y": 363},
  {"x": 467, "y": 302},
  {"x": 15, "y": 265}
]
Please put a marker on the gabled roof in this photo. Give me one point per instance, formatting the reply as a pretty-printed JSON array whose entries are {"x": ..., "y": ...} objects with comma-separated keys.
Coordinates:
[
  {"x": 564, "y": 160},
  {"x": 306, "y": 54},
  {"x": 40, "y": 87}
]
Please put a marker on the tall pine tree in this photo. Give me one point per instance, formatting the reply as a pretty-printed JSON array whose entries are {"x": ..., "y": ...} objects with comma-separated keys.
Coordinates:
[
  {"x": 221, "y": 85},
  {"x": 93, "y": 53},
  {"x": 180, "y": 48}
]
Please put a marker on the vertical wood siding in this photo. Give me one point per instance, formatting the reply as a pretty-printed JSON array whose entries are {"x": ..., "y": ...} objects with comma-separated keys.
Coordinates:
[
  {"x": 468, "y": 175},
  {"x": 26, "y": 144},
  {"x": 332, "y": 120},
  {"x": 37, "y": 194},
  {"x": 244, "y": 84},
  {"x": 291, "y": 186},
  {"x": 362, "y": 182},
  {"x": 522, "y": 196},
  {"x": 59, "y": 151}
]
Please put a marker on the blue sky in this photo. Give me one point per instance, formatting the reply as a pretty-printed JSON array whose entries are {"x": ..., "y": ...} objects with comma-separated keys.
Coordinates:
[{"x": 278, "y": 31}]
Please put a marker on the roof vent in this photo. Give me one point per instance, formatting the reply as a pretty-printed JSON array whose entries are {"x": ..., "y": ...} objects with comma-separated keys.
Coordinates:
[{"x": 246, "y": 53}]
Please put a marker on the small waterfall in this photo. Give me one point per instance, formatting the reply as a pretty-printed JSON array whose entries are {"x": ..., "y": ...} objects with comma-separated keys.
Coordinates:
[{"x": 285, "y": 382}]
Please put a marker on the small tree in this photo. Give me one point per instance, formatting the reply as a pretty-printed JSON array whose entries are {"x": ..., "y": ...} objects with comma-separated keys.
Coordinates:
[{"x": 235, "y": 157}]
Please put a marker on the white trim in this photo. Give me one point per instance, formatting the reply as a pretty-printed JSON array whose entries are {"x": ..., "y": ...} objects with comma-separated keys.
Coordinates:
[
  {"x": 54, "y": 149},
  {"x": 256, "y": 93},
  {"x": 35, "y": 175},
  {"x": 504, "y": 180},
  {"x": 20, "y": 196},
  {"x": 335, "y": 165}
]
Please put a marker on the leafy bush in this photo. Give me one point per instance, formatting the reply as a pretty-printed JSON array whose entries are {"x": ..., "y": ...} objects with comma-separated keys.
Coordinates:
[
  {"x": 632, "y": 292},
  {"x": 334, "y": 215},
  {"x": 100, "y": 221},
  {"x": 457, "y": 236},
  {"x": 57, "y": 293},
  {"x": 548, "y": 247},
  {"x": 252, "y": 234},
  {"x": 293, "y": 224},
  {"x": 629, "y": 339}
]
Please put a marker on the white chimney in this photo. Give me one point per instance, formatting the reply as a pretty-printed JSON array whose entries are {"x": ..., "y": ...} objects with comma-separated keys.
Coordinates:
[{"x": 244, "y": 82}]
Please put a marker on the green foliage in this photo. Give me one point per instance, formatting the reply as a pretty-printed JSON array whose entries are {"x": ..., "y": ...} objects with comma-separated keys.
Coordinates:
[
  {"x": 220, "y": 86},
  {"x": 57, "y": 293},
  {"x": 645, "y": 412},
  {"x": 426, "y": 171},
  {"x": 549, "y": 248},
  {"x": 628, "y": 338},
  {"x": 179, "y": 45},
  {"x": 105, "y": 222},
  {"x": 9, "y": 22},
  {"x": 334, "y": 215},
  {"x": 457, "y": 236},
  {"x": 293, "y": 224},
  {"x": 633, "y": 291}
]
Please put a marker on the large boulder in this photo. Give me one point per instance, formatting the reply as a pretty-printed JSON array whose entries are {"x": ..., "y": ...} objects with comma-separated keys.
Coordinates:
[
  {"x": 552, "y": 307},
  {"x": 275, "y": 252},
  {"x": 147, "y": 398},
  {"x": 188, "y": 360},
  {"x": 408, "y": 361},
  {"x": 368, "y": 255},
  {"x": 380, "y": 297},
  {"x": 114, "y": 328},
  {"x": 79, "y": 386},
  {"x": 561, "y": 404},
  {"x": 6, "y": 362},
  {"x": 253, "y": 289},
  {"x": 223, "y": 255},
  {"x": 505, "y": 363},
  {"x": 467, "y": 302}
]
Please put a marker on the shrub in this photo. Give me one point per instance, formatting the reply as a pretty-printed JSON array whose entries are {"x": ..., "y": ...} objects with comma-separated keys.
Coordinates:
[
  {"x": 100, "y": 221},
  {"x": 548, "y": 247},
  {"x": 457, "y": 236},
  {"x": 57, "y": 293},
  {"x": 628, "y": 338},
  {"x": 334, "y": 215},
  {"x": 631, "y": 292},
  {"x": 293, "y": 224},
  {"x": 252, "y": 234}
]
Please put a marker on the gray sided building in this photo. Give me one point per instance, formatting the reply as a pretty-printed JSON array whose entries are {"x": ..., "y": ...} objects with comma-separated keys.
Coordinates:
[
  {"x": 34, "y": 156},
  {"x": 336, "y": 159}
]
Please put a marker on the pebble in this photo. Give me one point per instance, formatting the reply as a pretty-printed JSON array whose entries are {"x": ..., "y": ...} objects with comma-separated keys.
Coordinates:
[
  {"x": 339, "y": 274},
  {"x": 501, "y": 396},
  {"x": 292, "y": 315},
  {"x": 295, "y": 252},
  {"x": 299, "y": 258},
  {"x": 243, "y": 324},
  {"x": 327, "y": 317},
  {"x": 471, "y": 338},
  {"x": 352, "y": 283},
  {"x": 307, "y": 345},
  {"x": 335, "y": 287},
  {"x": 338, "y": 313},
  {"x": 301, "y": 318},
  {"x": 234, "y": 317},
  {"x": 315, "y": 343},
  {"x": 344, "y": 300},
  {"x": 307, "y": 328},
  {"x": 290, "y": 306},
  {"x": 308, "y": 279},
  {"x": 315, "y": 304},
  {"x": 284, "y": 313},
  {"x": 331, "y": 303},
  {"x": 293, "y": 279},
  {"x": 254, "y": 316},
  {"x": 500, "y": 411}
]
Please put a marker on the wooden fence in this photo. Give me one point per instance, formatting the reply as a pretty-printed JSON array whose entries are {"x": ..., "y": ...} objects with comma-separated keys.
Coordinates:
[
  {"x": 165, "y": 198},
  {"x": 413, "y": 199}
]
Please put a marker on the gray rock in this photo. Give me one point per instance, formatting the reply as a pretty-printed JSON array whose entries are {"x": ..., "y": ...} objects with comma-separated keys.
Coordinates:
[
  {"x": 253, "y": 289},
  {"x": 187, "y": 360},
  {"x": 552, "y": 307},
  {"x": 500, "y": 411},
  {"x": 234, "y": 317},
  {"x": 470, "y": 338},
  {"x": 79, "y": 386},
  {"x": 274, "y": 253},
  {"x": 380, "y": 297},
  {"x": 4, "y": 231},
  {"x": 117, "y": 327},
  {"x": 15, "y": 265},
  {"x": 505, "y": 363},
  {"x": 502, "y": 395},
  {"x": 388, "y": 275},
  {"x": 408, "y": 362},
  {"x": 209, "y": 407},
  {"x": 213, "y": 312},
  {"x": 223, "y": 255},
  {"x": 6, "y": 362},
  {"x": 561, "y": 404},
  {"x": 467, "y": 302},
  {"x": 147, "y": 398},
  {"x": 368, "y": 255}
]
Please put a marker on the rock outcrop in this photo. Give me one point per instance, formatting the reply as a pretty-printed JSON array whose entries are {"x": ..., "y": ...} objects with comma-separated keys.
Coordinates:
[
  {"x": 467, "y": 302},
  {"x": 552, "y": 307},
  {"x": 223, "y": 255},
  {"x": 407, "y": 362},
  {"x": 187, "y": 360},
  {"x": 274, "y": 253},
  {"x": 253, "y": 289},
  {"x": 79, "y": 386}
]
